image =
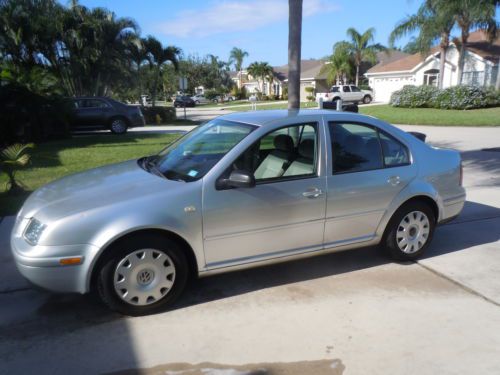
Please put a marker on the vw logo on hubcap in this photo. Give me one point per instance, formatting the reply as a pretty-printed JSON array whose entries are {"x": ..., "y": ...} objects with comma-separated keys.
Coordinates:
[{"x": 145, "y": 277}]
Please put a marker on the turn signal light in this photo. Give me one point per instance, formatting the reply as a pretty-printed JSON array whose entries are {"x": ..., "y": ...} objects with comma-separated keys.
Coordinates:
[{"x": 70, "y": 261}]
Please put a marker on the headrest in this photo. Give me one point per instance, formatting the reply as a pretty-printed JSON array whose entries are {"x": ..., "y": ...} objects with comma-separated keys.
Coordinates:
[
  {"x": 306, "y": 148},
  {"x": 283, "y": 142}
]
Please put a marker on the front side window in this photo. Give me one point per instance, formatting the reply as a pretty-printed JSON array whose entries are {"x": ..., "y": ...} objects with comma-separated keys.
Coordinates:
[
  {"x": 355, "y": 89},
  {"x": 192, "y": 156},
  {"x": 289, "y": 152},
  {"x": 355, "y": 148}
]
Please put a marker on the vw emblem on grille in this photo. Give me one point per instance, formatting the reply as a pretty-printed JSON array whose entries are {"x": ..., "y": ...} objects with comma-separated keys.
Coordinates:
[{"x": 145, "y": 277}]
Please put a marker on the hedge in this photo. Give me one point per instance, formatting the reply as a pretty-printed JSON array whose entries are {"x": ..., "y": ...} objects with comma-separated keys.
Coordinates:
[
  {"x": 456, "y": 97},
  {"x": 158, "y": 115}
]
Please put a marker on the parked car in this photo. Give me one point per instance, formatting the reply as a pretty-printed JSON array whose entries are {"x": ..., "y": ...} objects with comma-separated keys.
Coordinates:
[
  {"x": 243, "y": 190},
  {"x": 105, "y": 113},
  {"x": 183, "y": 101},
  {"x": 200, "y": 99},
  {"x": 225, "y": 98},
  {"x": 350, "y": 93}
]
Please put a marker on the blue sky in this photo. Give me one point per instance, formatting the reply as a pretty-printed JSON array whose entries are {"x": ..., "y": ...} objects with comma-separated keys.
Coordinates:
[{"x": 258, "y": 26}]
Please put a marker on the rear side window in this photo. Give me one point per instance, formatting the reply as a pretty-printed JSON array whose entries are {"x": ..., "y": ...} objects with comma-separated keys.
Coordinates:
[
  {"x": 395, "y": 153},
  {"x": 335, "y": 89},
  {"x": 359, "y": 147},
  {"x": 355, "y": 148},
  {"x": 347, "y": 89}
]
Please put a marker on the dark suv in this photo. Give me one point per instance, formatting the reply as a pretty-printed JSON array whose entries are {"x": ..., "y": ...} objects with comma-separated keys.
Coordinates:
[
  {"x": 105, "y": 113},
  {"x": 183, "y": 101}
]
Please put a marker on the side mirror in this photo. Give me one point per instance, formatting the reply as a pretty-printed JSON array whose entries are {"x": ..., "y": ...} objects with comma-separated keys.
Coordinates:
[{"x": 237, "y": 179}]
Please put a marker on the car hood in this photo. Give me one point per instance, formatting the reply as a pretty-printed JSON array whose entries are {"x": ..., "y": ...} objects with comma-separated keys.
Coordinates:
[{"x": 94, "y": 188}]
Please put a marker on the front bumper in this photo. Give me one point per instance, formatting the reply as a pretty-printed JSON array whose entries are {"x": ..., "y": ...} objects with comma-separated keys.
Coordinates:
[{"x": 41, "y": 266}]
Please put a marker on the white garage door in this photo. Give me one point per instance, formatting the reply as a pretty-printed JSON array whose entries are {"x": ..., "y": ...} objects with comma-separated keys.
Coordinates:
[{"x": 384, "y": 87}]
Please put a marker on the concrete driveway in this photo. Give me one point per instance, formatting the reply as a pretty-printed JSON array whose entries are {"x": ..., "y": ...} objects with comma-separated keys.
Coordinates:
[{"x": 352, "y": 312}]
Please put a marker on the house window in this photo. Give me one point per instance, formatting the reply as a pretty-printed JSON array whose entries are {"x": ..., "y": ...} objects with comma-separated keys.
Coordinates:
[
  {"x": 431, "y": 77},
  {"x": 474, "y": 78}
]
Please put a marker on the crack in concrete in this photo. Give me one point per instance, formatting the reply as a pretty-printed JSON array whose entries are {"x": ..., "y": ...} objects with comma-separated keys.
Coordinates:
[{"x": 459, "y": 284}]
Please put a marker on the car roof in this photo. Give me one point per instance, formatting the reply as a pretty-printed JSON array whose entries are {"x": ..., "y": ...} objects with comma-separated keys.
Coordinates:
[{"x": 262, "y": 118}]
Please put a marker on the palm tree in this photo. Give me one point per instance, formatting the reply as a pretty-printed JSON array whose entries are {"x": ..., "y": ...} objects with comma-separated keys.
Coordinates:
[
  {"x": 433, "y": 23},
  {"x": 294, "y": 47},
  {"x": 361, "y": 49},
  {"x": 11, "y": 159},
  {"x": 237, "y": 55},
  {"x": 471, "y": 14},
  {"x": 157, "y": 56},
  {"x": 138, "y": 55},
  {"x": 339, "y": 66},
  {"x": 260, "y": 70}
]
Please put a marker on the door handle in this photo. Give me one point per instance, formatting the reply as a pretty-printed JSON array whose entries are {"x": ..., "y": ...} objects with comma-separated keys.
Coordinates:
[
  {"x": 312, "y": 193},
  {"x": 394, "y": 180}
]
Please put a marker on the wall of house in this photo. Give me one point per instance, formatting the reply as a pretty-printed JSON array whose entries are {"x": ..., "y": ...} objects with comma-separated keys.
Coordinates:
[{"x": 385, "y": 84}]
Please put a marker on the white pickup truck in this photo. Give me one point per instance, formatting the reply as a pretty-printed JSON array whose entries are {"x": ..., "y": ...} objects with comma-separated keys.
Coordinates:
[{"x": 350, "y": 93}]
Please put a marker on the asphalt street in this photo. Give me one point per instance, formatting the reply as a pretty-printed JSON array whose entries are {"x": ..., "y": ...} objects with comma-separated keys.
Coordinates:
[{"x": 353, "y": 312}]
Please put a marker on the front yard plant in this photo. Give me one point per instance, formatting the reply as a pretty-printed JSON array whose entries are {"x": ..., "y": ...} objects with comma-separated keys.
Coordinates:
[{"x": 455, "y": 97}]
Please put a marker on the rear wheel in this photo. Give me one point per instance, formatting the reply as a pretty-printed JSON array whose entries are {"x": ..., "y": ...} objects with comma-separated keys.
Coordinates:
[
  {"x": 144, "y": 275},
  {"x": 118, "y": 126},
  {"x": 410, "y": 231}
]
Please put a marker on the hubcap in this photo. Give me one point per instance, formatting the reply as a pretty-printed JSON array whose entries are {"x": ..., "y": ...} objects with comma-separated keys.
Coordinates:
[
  {"x": 144, "y": 277},
  {"x": 413, "y": 232},
  {"x": 118, "y": 126}
]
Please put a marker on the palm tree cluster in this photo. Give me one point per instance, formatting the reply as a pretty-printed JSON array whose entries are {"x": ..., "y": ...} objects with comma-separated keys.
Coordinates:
[
  {"x": 87, "y": 51},
  {"x": 345, "y": 61},
  {"x": 435, "y": 20},
  {"x": 263, "y": 72}
]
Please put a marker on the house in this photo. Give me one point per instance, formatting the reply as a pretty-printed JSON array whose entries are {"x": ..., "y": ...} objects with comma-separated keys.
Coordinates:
[
  {"x": 481, "y": 68},
  {"x": 310, "y": 76}
]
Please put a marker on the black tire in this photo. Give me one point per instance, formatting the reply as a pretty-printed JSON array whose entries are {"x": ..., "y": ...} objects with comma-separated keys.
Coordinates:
[
  {"x": 118, "y": 125},
  {"x": 390, "y": 240},
  {"x": 106, "y": 274},
  {"x": 367, "y": 99}
]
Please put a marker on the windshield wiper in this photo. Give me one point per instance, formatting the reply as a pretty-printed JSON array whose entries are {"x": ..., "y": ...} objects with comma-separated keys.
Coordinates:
[{"x": 148, "y": 163}]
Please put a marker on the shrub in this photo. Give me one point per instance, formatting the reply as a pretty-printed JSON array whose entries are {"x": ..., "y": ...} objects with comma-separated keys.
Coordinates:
[
  {"x": 158, "y": 115},
  {"x": 239, "y": 94},
  {"x": 26, "y": 116},
  {"x": 365, "y": 87},
  {"x": 414, "y": 96},
  {"x": 211, "y": 94},
  {"x": 456, "y": 97}
]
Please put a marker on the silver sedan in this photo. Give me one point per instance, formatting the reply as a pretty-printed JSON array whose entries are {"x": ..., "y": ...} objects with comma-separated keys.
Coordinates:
[{"x": 243, "y": 190}]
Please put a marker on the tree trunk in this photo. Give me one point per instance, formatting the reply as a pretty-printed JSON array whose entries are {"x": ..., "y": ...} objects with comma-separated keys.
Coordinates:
[
  {"x": 294, "y": 51},
  {"x": 461, "y": 55},
  {"x": 497, "y": 85},
  {"x": 357, "y": 74},
  {"x": 442, "y": 60},
  {"x": 155, "y": 86}
]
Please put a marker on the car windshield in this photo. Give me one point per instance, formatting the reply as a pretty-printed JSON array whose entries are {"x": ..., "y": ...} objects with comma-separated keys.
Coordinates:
[{"x": 193, "y": 155}]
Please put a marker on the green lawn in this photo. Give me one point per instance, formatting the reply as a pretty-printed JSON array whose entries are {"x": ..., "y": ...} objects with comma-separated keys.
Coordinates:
[
  {"x": 56, "y": 159},
  {"x": 431, "y": 116}
]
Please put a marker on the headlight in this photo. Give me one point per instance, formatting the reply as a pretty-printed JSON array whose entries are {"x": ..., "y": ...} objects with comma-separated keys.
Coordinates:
[{"x": 33, "y": 231}]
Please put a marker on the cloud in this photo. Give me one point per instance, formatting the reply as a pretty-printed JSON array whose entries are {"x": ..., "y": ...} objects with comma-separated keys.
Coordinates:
[{"x": 236, "y": 15}]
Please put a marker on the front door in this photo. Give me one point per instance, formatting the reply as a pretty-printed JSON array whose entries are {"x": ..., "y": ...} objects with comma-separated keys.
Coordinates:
[
  {"x": 368, "y": 170},
  {"x": 283, "y": 214}
]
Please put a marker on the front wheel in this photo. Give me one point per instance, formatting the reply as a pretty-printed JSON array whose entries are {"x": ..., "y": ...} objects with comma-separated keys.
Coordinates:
[
  {"x": 367, "y": 99},
  {"x": 144, "y": 275},
  {"x": 410, "y": 231}
]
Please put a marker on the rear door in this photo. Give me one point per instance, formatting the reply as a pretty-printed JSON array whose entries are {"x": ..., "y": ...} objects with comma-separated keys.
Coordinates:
[{"x": 367, "y": 169}]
